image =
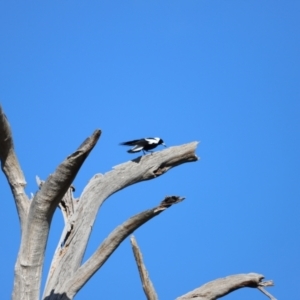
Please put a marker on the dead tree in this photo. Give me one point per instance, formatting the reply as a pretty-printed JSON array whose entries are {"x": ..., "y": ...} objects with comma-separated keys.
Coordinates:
[{"x": 67, "y": 274}]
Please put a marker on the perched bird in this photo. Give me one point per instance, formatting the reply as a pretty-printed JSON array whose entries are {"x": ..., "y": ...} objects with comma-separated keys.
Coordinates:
[{"x": 143, "y": 144}]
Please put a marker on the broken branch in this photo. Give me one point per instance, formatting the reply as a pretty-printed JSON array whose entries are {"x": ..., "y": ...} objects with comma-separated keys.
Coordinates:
[
  {"x": 221, "y": 287},
  {"x": 266, "y": 283},
  {"x": 146, "y": 282},
  {"x": 108, "y": 246}
]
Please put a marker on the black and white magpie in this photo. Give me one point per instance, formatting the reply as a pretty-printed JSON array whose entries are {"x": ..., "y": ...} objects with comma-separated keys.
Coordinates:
[{"x": 143, "y": 144}]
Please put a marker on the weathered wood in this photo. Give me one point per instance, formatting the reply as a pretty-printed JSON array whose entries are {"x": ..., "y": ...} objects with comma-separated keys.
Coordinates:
[
  {"x": 221, "y": 287},
  {"x": 108, "y": 246},
  {"x": 267, "y": 283},
  {"x": 12, "y": 169},
  {"x": 28, "y": 270},
  {"x": 67, "y": 276},
  {"x": 68, "y": 260},
  {"x": 144, "y": 275}
]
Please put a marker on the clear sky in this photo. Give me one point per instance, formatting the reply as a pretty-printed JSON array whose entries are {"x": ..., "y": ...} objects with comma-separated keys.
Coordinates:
[{"x": 225, "y": 73}]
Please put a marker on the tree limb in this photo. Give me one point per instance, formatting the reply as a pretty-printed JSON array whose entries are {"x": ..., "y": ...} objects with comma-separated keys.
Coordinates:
[
  {"x": 66, "y": 206},
  {"x": 146, "y": 282},
  {"x": 99, "y": 188},
  {"x": 12, "y": 169},
  {"x": 34, "y": 238},
  {"x": 109, "y": 245},
  {"x": 221, "y": 287},
  {"x": 263, "y": 284}
]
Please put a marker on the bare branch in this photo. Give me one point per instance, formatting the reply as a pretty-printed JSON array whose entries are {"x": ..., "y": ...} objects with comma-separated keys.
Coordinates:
[
  {"x": 221, "y": 287},
  {"x": 169, "y": 201},
  {"x": 39, "y": 182},
  {"x": 34, "y": 238},
  {"x": 66, "y": 206},
  {"x": 266, "y": 283},
  {"x": 99, "y": 188},
  {"x": 108, "y": 246},
  {"x": 12, "y": 169},
  {"x": 146, "y": 282}
]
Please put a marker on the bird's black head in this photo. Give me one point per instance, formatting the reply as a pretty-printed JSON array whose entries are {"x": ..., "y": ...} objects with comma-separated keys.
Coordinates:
[{"x": 161, "y": 142}]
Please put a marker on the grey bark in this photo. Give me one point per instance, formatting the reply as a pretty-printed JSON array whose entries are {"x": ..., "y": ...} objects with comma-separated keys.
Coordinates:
[
  {"x": 144, "y": 275},
  {"x": 12, "y": 169},
  {"x": 66, "y": 275},
  {"x": 68, "y": 259},
  {"x": 108, "y": 246},
  {"x": 28, "y": 269},
  {"x": 35, "y": 215},
  {"x": 221, "y": 287}
]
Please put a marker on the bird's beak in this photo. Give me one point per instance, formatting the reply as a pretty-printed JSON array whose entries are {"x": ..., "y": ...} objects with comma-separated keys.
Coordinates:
[{"x": 164, "y": 144}]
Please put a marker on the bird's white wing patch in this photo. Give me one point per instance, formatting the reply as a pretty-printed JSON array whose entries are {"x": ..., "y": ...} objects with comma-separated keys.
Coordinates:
[{"x": 137, "y": 148}]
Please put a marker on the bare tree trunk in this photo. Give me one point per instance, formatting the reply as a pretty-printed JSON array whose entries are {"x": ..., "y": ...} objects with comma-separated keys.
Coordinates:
[{"x": 28, "y": 269}]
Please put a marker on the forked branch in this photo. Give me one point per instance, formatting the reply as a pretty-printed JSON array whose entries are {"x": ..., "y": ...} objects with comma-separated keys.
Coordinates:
[
  {"x": 110, "y": 244},
  {"x": 34, "y": 238},
  {"x": 261, "y": 288},
  {"x": 67, "y": 261}
]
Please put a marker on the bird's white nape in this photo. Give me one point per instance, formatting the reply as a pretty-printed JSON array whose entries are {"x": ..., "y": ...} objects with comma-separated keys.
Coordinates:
[{"x": 153, "y": 140}]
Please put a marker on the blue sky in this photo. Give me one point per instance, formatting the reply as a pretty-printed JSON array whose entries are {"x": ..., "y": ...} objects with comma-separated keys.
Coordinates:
[{"x": 225, "y": 73}]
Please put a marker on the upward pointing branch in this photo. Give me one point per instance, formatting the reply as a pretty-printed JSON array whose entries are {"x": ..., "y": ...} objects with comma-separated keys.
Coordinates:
[
  {"x": 34, "y": 239},
  {"x": 146, "y": 282},
  {"x": 11, "y": 168}
]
